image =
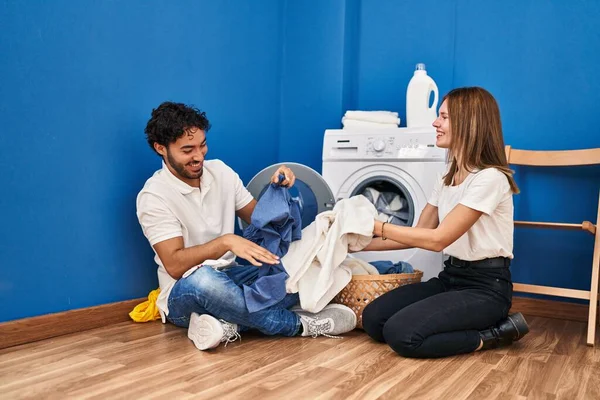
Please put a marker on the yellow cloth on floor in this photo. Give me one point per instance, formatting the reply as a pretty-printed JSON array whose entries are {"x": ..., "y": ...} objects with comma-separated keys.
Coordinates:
[{"x": 146, "y": 311}]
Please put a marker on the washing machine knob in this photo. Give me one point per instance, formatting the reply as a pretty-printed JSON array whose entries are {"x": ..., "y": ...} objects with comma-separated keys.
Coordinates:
[{"x": 379, "y": 145}]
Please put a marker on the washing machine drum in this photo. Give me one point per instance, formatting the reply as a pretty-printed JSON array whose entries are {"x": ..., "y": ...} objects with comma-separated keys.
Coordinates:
[
  {"x": 391, "y": 199},
  {"x": 310, "y": 189}
]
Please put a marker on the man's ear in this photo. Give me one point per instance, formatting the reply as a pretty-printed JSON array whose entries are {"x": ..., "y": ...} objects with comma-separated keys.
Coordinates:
[{"x": 160, "y": 149}]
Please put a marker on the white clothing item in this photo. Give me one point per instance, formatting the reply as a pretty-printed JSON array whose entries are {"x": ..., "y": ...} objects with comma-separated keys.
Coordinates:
[
  {"x": 397, "y": 203},
  {"x": 359, "y": 267},
  {"x": 354, "y": 123},
  {"x": 382, "y": 117},
  {"x": 373, "y": 193},
  {"x": 315, "y": 263},
  {"x": 383, "y": 217},
  {"x": 382, "y": 200},
  {"x": 167, "y": 208},
  {"x": 487, "y": 191}
]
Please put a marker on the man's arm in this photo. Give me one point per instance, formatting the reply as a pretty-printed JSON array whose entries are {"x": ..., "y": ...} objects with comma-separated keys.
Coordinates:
[
  {"x": 177, "y": 259},
  {"x": 245, "y": 213}
]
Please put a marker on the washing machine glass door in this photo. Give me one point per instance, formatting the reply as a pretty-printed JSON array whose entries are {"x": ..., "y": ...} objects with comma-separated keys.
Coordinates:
[
  {"x": 311, "y": 190},
  {"x": 390, "y": 197}
]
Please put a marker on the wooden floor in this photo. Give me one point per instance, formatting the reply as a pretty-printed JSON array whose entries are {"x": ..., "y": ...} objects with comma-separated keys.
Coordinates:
[{"x": 152, "y": 360}]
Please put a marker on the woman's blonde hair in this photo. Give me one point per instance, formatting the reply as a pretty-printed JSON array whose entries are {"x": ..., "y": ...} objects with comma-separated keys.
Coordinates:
[{"x": 477, "y": 141}]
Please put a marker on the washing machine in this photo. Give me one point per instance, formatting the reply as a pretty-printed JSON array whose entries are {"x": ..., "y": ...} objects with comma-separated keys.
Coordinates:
[{"x": 402, "y": 164}]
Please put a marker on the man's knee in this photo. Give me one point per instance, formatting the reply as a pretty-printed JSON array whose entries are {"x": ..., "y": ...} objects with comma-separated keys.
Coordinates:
[{"x": 189, "y": 295}]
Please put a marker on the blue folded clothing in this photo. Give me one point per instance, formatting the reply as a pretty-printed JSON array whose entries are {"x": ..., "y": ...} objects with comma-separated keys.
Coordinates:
[
  {"x": 275, "y": 223},
  {"x": 388, "y": 267}
]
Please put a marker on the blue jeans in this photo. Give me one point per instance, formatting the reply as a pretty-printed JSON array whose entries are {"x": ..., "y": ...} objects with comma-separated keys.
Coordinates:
[{"x": 219, "y": 293}]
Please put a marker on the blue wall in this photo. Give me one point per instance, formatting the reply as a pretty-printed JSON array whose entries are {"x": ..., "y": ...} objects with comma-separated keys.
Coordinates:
[{"x": 79, "y": 80}]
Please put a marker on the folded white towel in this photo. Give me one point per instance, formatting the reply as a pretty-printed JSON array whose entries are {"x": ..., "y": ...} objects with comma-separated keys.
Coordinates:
[
  {"x": 382, "y": 117},
  {"x": 354, "y": 123}
]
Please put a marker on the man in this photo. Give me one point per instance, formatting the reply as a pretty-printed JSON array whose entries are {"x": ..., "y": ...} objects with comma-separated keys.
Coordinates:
[{"x": 187, "y": 211}]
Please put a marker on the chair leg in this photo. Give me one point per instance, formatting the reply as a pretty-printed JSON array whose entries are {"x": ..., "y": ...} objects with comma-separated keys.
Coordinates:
[{"x": 591, "y": 336}]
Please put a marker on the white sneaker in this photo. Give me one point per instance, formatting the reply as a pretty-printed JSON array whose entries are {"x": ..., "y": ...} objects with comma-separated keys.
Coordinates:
[
  {"x": 207, "y": 332},
  {"x": 332, "y": 320}
]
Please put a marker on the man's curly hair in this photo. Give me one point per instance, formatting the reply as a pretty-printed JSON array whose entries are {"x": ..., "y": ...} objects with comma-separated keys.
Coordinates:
[{"x": 170, "y": 121}]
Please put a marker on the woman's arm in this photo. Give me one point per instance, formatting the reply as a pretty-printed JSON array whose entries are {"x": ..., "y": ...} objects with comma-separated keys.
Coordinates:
[
  {"x": 429, "y": 220},
  {"x": 456, "y": 224}
]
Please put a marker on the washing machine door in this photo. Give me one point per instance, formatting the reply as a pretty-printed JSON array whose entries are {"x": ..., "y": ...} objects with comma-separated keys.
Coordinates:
[{"x": 311, "y": 190}]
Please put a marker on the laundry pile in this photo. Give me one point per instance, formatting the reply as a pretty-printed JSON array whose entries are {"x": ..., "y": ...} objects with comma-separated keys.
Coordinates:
[
  {"x": 385, "y": 267},
  {"x": 317, "y": 264},
  {"x": 370, "y": 119}
]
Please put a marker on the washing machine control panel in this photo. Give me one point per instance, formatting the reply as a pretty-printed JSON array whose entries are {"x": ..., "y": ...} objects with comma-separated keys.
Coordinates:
[
  {"x": 401, "y": 143},
  {"x": 380, "y": 146}
]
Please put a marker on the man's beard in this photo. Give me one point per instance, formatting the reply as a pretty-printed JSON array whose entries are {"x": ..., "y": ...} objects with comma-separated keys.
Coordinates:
[{"x": 180, "y": 168}]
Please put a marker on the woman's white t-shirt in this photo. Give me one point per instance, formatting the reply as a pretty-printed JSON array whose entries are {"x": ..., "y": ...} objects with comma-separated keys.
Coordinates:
[{"x": 487, "y": 191}]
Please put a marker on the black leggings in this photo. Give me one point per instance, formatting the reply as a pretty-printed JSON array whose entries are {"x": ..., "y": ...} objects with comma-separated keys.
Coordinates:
[{"x": 443, "y": 316}]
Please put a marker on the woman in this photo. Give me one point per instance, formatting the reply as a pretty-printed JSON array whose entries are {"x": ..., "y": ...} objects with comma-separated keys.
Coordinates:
[{"x": 470, "y": 217}]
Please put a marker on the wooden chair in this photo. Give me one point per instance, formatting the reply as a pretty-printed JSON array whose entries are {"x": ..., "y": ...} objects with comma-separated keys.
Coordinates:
[{"x": 554, "y": 159}]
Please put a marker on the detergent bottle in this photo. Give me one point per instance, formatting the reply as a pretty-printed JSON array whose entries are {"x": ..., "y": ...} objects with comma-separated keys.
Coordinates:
[{"x": 418, "y": 111}]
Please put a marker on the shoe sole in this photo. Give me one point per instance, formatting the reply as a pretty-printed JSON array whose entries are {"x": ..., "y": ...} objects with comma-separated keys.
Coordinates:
[
  {"x": 204, "y": 323},
  {"x": 519, "y": 320},
  {"x": 343, "y": 307}
]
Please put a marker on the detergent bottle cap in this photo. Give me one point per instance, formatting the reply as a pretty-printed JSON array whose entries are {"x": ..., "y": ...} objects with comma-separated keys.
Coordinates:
[{"x": 420, "y": 69}]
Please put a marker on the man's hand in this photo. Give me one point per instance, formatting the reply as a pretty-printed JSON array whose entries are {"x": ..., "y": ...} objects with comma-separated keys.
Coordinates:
[
  {"x": 249, "y": 251},
  {"x": 290, "y": 178}
]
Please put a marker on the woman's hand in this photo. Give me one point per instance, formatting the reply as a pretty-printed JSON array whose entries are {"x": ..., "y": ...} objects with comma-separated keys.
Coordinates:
[
  {"x": 377, "y": 228},
  {"x": 378, "y": 243},
  {"x": 289, "y": 179}
]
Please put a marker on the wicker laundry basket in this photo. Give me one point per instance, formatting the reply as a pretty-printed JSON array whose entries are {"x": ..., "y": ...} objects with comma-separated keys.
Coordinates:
[{"x": 363, "y": 289}]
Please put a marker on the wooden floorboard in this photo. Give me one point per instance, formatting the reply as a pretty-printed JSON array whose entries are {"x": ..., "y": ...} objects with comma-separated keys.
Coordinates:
[
  {"x": 27, "y": 330},
  {"x": 153, "y": 360}
]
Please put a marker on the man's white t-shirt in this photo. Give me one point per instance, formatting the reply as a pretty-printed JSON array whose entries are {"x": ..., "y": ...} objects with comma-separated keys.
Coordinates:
[
  {"x": 167, "y": 208},
  {"x": 488, "y": 191}
]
